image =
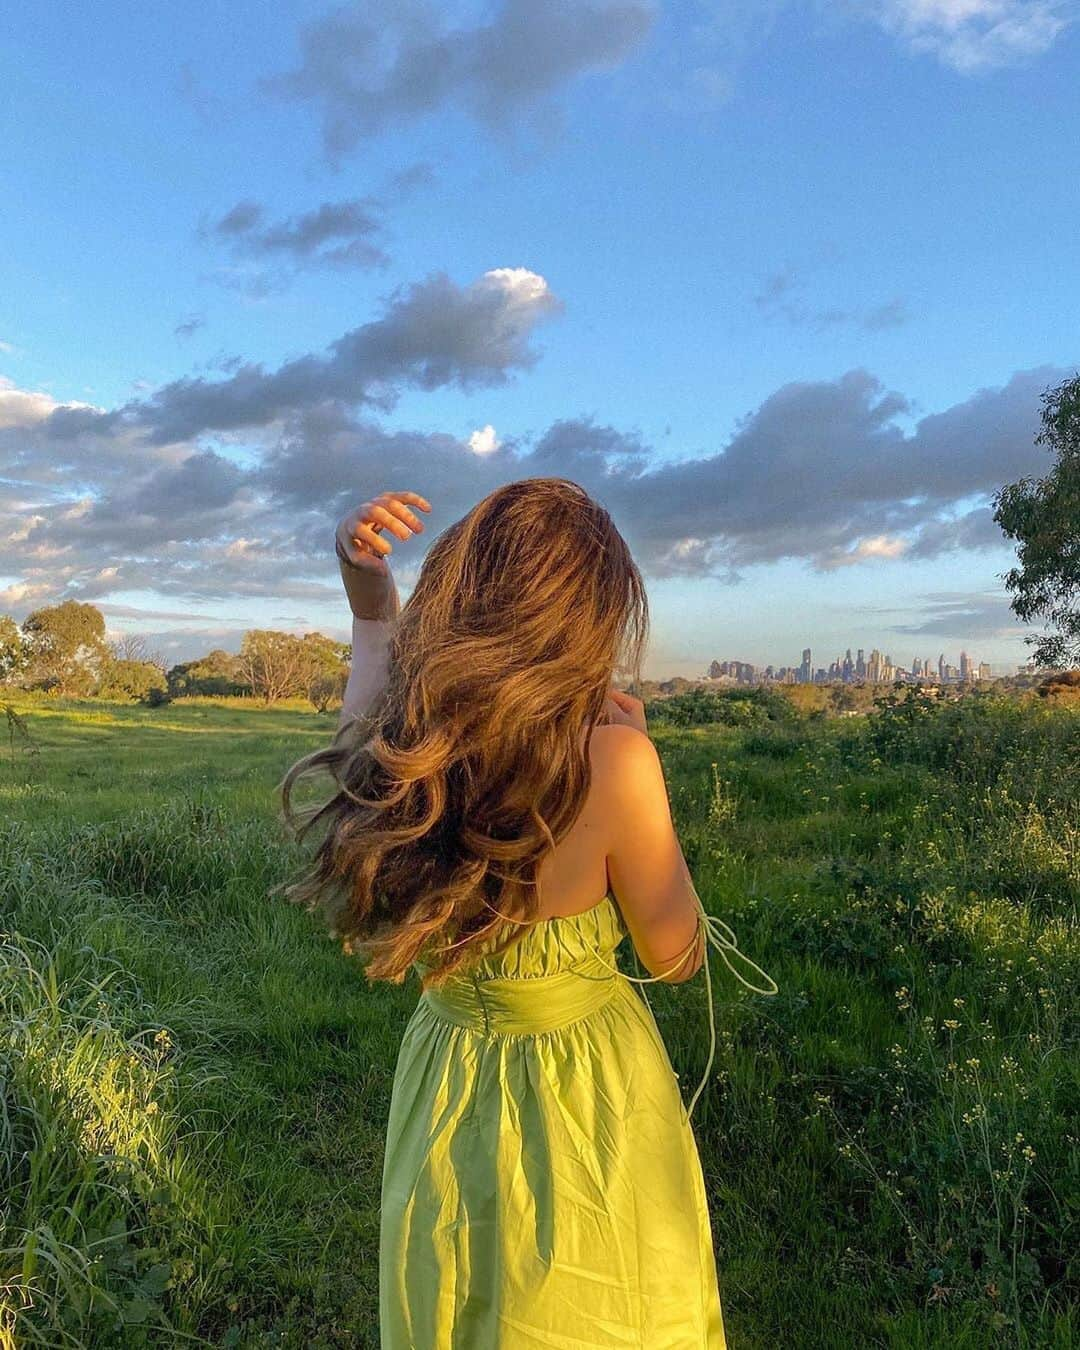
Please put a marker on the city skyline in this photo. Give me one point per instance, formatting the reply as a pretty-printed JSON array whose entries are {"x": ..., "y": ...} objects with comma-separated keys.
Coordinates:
[{"x": 875, "y": 668}]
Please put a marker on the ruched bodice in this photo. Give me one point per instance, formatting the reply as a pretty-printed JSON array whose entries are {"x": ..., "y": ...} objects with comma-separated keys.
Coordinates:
[
  {"x": 557, "y": 972},
  {"x": 550, "y": 945}
]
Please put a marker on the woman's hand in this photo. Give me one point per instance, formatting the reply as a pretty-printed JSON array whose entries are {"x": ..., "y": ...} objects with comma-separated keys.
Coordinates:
[
  {"x": 625, "y": 709},
  {"x": 357, "y": 535},
  {"x": 362, "y": 551}
]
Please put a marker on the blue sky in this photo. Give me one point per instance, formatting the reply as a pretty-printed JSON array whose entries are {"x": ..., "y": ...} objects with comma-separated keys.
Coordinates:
[{"x": 780, "y": 283}]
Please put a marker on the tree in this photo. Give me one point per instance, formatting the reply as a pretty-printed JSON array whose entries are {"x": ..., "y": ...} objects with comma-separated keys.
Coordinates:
[
  {"x": 218, "y": 673},
  {"x": 281, "y": 665},
  {"x": 326, "y": 667},
  {"x": 274, "y": 664},
  {"x": 1063, "y": 686},
  {"x": 67, "y": 646},
  {"x": 14, "y": 650},
  {"x": 327, "y": 689},
  {"x": 130, "y": 679},
  {"x": 133, "y": 647},
  {"x": 1043, "y": 515}
]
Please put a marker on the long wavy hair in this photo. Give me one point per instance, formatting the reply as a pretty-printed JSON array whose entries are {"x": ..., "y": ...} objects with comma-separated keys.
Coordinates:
[{"x": 470, "y": 765}]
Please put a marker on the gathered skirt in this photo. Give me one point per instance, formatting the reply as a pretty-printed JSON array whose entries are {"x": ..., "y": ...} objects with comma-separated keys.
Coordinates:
[{"x": 541, "y": 1182}]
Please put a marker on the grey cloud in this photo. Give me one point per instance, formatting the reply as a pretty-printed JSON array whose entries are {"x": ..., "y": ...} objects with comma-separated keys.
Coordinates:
[
  {"x": 975, "y": 615},
  {"x": 203, "y": 481},
  {"x": 324, "y": 459},
  {"x": 408, "y": 180},
  {"x": 816, "y": 472},
  {"x": 335, "y": 234},
  {"x": 434, "y": 334},
  {"x": 135, "y": 612},
  {"x": 368, "y": 72},
  {"x": 186, "y": 327},
  {"x": 578, "y": 443},
  {"x": 889, "y": 315},
  {"x": 974, "y": 529},
  {"x": 243, "y": 217},
  {"x": 822, "y": 466},
  {"x": 781, "y": 298}
]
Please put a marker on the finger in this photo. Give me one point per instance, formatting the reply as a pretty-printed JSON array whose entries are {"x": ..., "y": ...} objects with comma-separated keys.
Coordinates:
[
  {"x": 361, "y": 513},
  {"x": 392, "y": 503},
  {"x": 361, "y": 556},
  {"x": 383, "y": 516},
  {"x": 413, "y": 497},
  {"x": 367, "y": 535}
]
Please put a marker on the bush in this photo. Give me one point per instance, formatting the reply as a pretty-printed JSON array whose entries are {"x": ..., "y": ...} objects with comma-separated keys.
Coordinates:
[
  {"x": 131, "y": 680},
  {"x": 735, "y": 707}
]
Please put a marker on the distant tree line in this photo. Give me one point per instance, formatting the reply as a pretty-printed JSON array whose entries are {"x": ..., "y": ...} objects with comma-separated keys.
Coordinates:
[{"x": 63, "y": 650}]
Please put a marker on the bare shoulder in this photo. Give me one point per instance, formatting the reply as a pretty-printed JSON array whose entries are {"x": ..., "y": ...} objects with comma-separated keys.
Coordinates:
[
  {"x": 646, "y": 868},
  {"x": 627, "y": 771},
  {"x": 616, "y": 746}
]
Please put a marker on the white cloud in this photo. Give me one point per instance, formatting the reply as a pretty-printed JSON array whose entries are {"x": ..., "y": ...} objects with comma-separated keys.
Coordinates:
[
  {"x": 522, "y": 287},
  {"x": 22, "y": 532},
  {"x": 21, "y": 407},
  {"x": 967, "y": 36},
  {"x": 26, "y": 594},
  {"x": 874, "y": 546},
  {"x": 973, "y": 35},
  {"x": 27, "y": 407},
  {"x": 484, "y": 441}
]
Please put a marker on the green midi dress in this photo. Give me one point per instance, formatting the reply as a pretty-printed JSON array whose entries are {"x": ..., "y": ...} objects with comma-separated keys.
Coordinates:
[{"x": 541, "y": 1181}]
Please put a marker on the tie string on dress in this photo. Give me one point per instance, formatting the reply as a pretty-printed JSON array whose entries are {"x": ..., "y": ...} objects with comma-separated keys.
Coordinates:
[{"x": 719, "y": 935}]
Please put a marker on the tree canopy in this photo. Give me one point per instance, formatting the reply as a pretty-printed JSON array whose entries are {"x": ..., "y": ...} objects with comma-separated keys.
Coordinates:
[
  {"x": 1043, "y": 516},
  {"x": 67, "y": 646}
]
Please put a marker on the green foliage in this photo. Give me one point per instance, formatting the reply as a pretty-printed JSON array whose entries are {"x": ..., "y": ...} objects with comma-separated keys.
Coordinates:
[
  {"x": 754, "y": 705},
  {"x": 218, "y": 673},
  {"x": 67, "y": 647},
  {"x": 974, "y": 740},
  {"x": 1043, "y": 516},
  {"x": 14, "y": 650},
  {"x": 280, "y": 665},
  {"x": 133, "y": 680}
]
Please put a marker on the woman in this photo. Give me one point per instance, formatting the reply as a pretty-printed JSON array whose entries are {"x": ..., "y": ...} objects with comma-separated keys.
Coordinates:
[{"x": 541, "y": 1182}]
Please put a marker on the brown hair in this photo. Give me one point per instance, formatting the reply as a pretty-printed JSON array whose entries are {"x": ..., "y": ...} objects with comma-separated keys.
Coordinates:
[{"x": 469, "y": 766}]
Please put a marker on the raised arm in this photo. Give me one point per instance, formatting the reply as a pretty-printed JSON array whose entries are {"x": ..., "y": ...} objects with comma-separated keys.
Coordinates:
[
  {"x": 371, "y": 589},
  {"x": 368, "y": 668}
]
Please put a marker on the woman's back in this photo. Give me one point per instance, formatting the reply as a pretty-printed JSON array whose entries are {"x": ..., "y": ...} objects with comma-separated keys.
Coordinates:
[{"x": 624, "y": 844}]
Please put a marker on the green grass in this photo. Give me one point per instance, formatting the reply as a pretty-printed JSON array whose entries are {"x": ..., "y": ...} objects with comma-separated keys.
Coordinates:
[{"x": 196, "y": 1078}]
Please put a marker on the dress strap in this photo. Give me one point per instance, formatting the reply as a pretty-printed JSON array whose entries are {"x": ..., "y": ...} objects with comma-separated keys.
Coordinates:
[{"x": 719, "y": 935}]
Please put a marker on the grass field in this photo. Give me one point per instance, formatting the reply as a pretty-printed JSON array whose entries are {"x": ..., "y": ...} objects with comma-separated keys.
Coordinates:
[{"x": 196, "y": 1079}]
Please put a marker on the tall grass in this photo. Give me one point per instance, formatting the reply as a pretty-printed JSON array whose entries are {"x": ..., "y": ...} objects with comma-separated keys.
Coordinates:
[{"x": 195, "y": 1078}]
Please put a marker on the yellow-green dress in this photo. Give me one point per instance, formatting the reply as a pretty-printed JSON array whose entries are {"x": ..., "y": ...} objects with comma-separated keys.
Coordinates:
[{"x": 541, "y": 1181}]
